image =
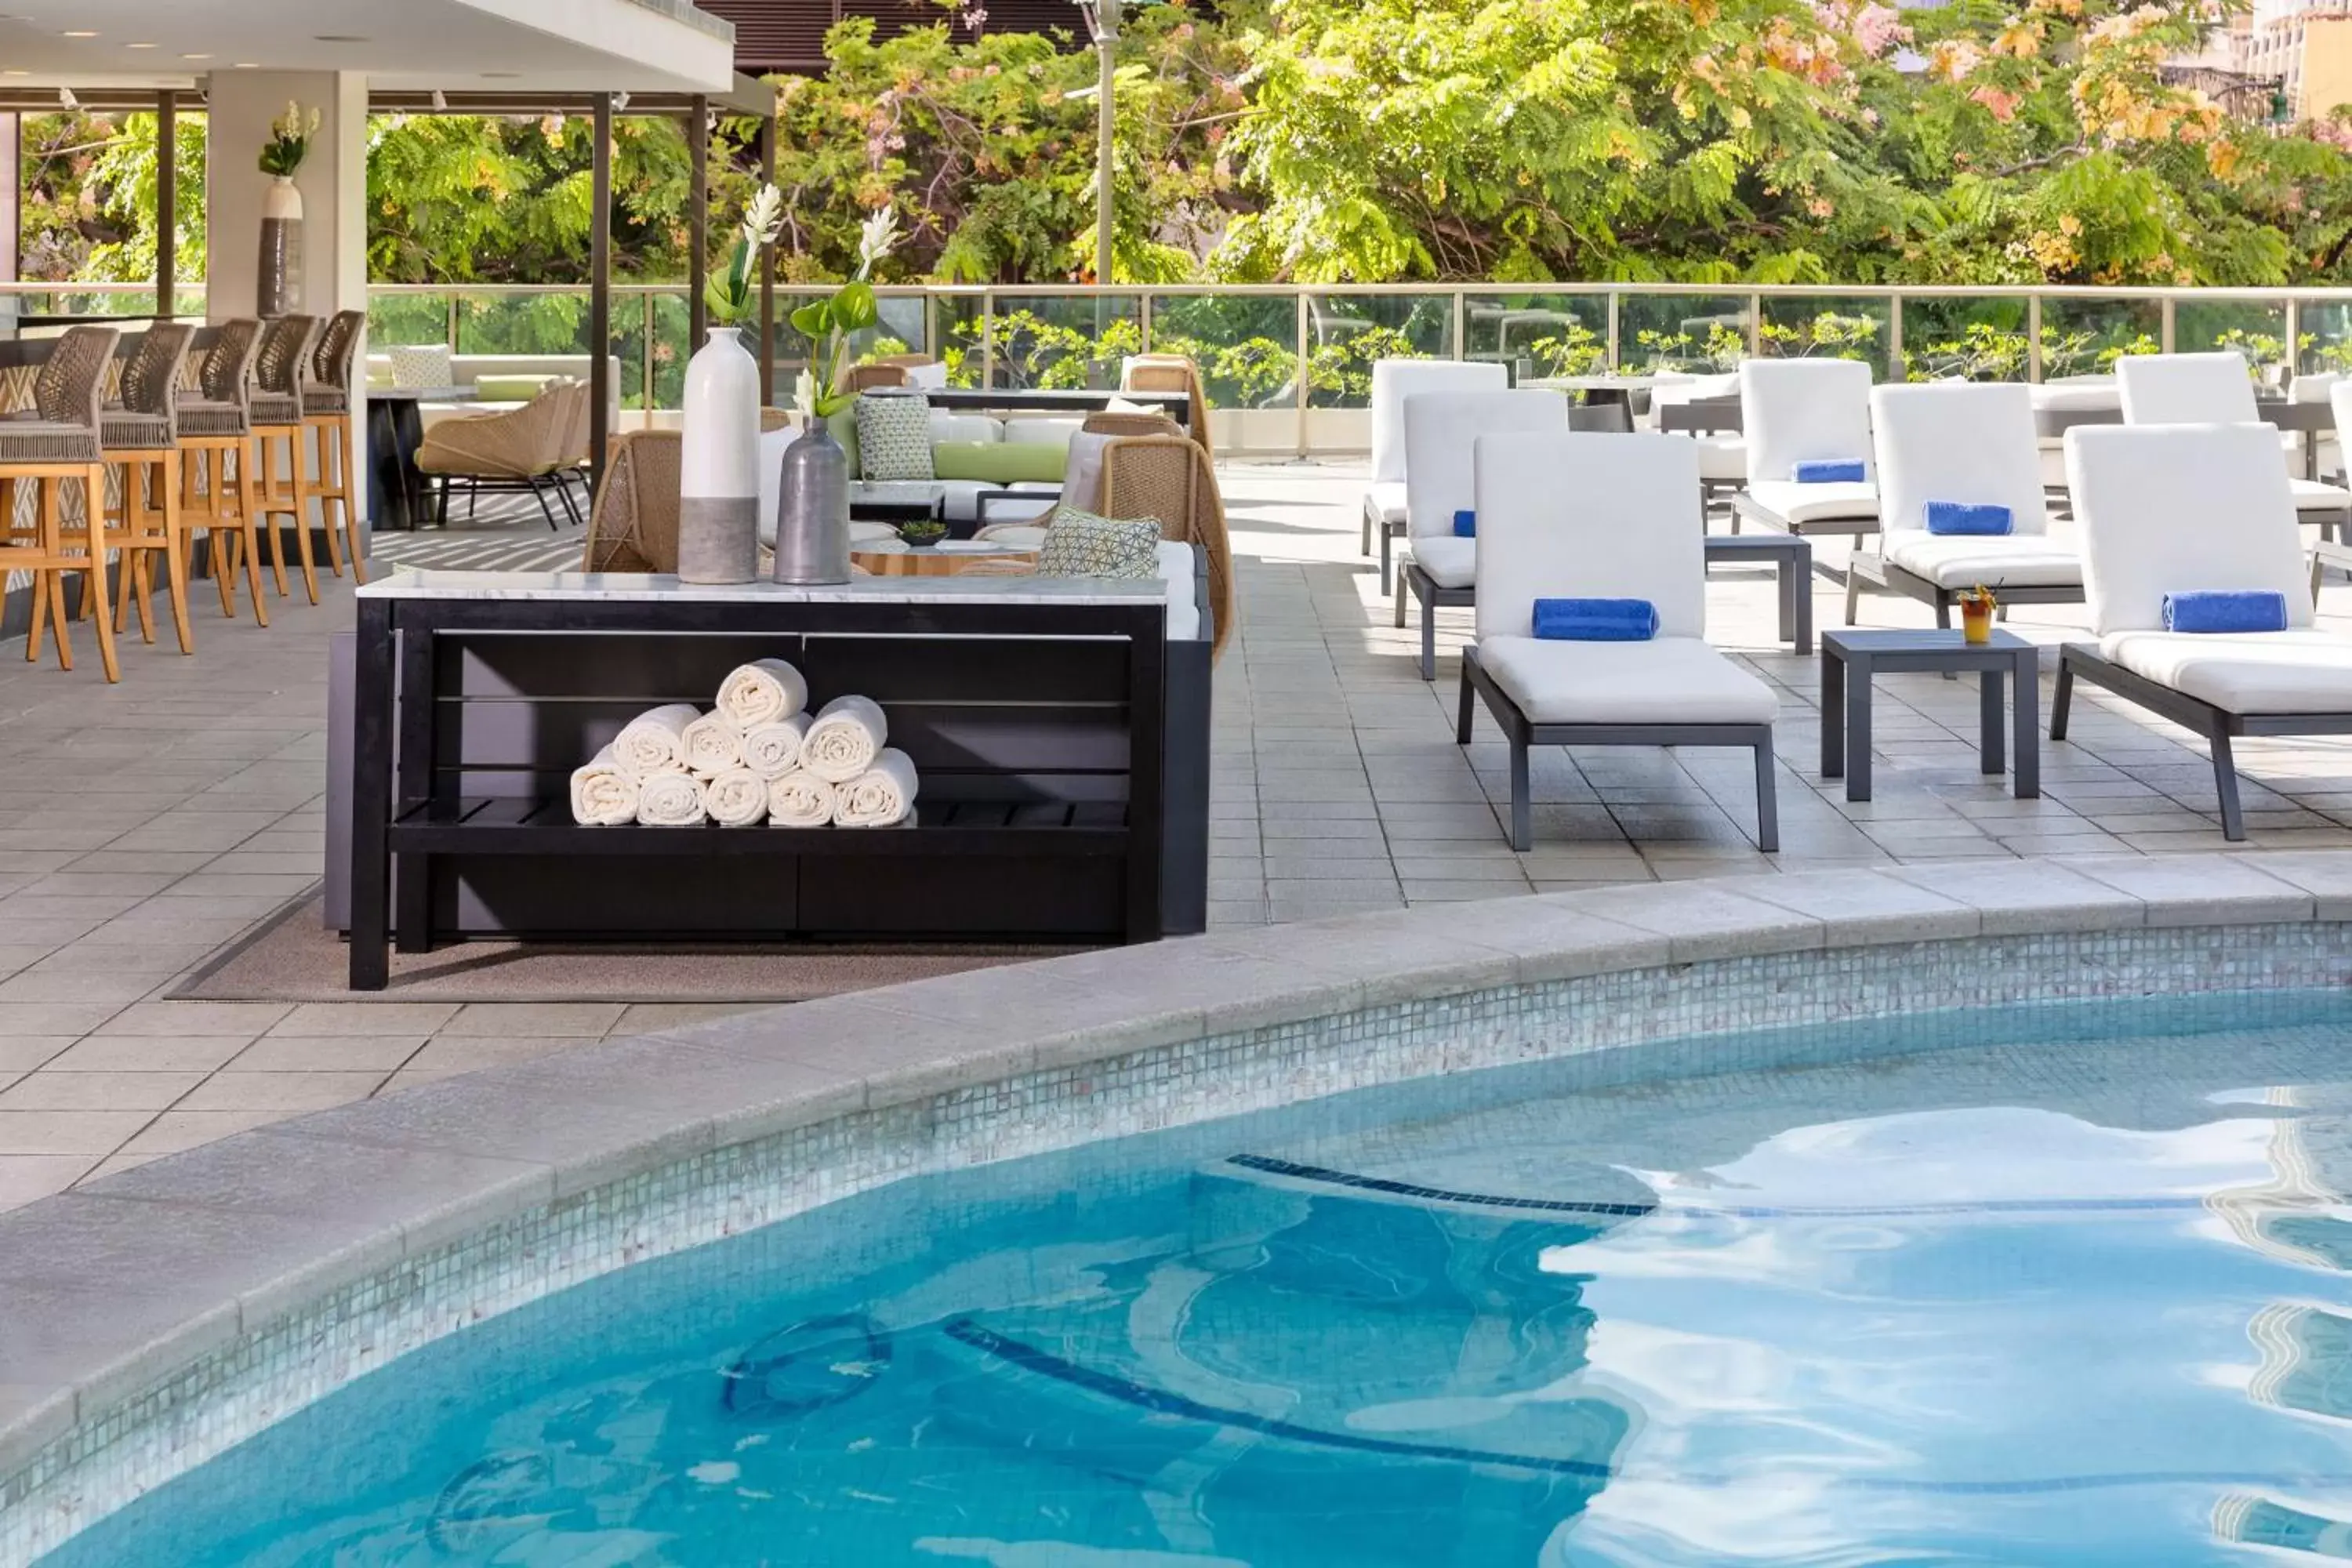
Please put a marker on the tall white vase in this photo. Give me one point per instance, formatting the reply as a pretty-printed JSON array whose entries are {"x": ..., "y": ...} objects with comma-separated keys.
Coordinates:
[
  {"x": 278, "y": 288},
  {"x": 718, "y": 478}
]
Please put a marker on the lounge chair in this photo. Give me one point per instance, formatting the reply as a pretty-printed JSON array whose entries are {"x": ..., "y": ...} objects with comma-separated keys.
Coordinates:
[
  {"x": 1394, "y": 380},
  {"x": 2171, "y": 508},
  {"x": 1596, "y": 516},
  {"x": 1440, "y": 430},
  {"x": 1972, "y": 443},
  {"x": 1806, "y": 410},
  {"x": 2218, "y": 389}
]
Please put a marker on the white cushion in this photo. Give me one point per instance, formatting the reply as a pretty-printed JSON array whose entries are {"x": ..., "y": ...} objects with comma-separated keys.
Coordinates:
[
  {"x": 1667, "y": 681},
  {"x": 2182, "y": 508},
  {"x": 2186, "y": 389},
  {"x": 1804, "y": 410},
  {"x": 1044, "y": 430},
  {"x": 1450, "y": 562},
  {"x": 1178, "y": 571},
  {"x": 1440, "y": 430},
  {"x": 2315, "y": 387},
  {"x": 1972, "y": 443},
  {"x": 1394, "y": 380},
  {"x": 1082, "y": 471},
  {"x": 1723, "y": 457},
  {"x": 950, "y": 428},
  {"x": 1674, "y": 388},
  {"x": 1792, "y": 502},
  {"x": 1384, "y": 499},
  {"x": 2296, "y": 671},
  {"x": 1589, "y": 516},
  {"x": 2310, "y": 495},
  {"x": 2013, "y": 561},
  {"x": 2077, "y": 393}
]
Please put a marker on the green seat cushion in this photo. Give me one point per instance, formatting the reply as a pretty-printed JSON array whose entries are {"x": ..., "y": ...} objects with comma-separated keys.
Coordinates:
[
  {"x": 998, "y": 462},
  {"x": 509, "y": 388}
]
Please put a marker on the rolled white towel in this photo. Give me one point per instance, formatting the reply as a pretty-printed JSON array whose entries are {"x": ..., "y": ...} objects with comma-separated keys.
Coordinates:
[
  {"x": 604, "y": 793},
  {"x": 773, "y": 749},
  {"x": 736, "y": 798},
  {"x": 801, "y": 799},
  {"x": 849, "y": 734},
  {"x": 713, "y": 745},
  {"x": 760, "y": 692},
  {"x": 669, "y": 800},
  {"x": 881, "y": 796},
  {"x": 656, "y": 742}
]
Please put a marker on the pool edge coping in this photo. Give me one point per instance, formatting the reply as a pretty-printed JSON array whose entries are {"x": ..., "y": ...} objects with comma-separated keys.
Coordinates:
[{"x": 282, "y": 1216}]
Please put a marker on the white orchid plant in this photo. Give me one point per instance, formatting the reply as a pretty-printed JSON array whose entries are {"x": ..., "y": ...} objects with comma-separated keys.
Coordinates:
[
  {"x": 733, "y": 293},
  {"x": 828, "y": 323},
  {"x": 289, "y": 141}
]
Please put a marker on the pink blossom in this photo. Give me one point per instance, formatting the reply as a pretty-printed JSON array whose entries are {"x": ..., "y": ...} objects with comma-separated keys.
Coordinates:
[
  {"x": 1878, "y": 28},
  {"x": 2000, "y": 100}
]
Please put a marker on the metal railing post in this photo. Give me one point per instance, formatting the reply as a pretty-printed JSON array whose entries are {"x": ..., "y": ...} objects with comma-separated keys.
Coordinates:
[
  {"x": 1143, "y": 312},
  {"x": 2165, "y": 324},
  {"x": 1613, "y": 359},
  {"x": 1299, "y": 412},
  {"x": 1756, "y": 325},
  {"x": 2294, "y": 337},
  {"x": 2033, "y": 337},
  {"x": 987, "y": 338},
  {"x": 648, "y": 356},
  {"x": 1895, "y": 369},
  {"x": 1461, "y": 323},
  {"x": 453, "y": 320}
]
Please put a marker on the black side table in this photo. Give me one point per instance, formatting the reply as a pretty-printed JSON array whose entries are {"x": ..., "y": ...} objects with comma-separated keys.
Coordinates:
[
  {"x": 1791, "y": 557},
  {"x": 1845, "y": 703}
]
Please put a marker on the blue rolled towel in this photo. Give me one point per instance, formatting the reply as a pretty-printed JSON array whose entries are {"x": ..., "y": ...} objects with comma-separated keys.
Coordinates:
[
  {"x": 1829, "y": 471},
  {"x": 1465, "y": 524},
  {"x": 1952, "y": 517},
  {"x": 1596, "y": 620},
  {"x": 2231, "y": 610}
]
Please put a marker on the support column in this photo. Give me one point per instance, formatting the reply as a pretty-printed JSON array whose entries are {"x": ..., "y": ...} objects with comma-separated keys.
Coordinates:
[
  {"x": 333, "y": 182},
  {"x": 167, "y": 203},
  {"x": 698, "y": 220},
  {"x": 600, "y": 292}
]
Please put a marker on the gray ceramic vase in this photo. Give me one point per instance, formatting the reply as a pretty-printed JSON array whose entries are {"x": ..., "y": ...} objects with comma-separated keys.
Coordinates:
[{"x": 813, "y": 516}]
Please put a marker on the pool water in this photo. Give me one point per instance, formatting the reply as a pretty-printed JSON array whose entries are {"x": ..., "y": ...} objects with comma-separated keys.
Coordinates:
[{"x": 2068, "y": 1287}]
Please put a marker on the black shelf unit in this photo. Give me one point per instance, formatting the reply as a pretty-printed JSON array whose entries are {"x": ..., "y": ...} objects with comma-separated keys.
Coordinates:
[{"x": 1040, "y": 731}]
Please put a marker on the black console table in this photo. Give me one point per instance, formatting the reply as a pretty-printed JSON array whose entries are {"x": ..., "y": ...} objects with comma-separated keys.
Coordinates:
[{"x": 1036, "y": 710}]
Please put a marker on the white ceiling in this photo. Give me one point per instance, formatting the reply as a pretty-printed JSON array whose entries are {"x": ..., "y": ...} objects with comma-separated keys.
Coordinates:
[{"x": 459, "y": 45}]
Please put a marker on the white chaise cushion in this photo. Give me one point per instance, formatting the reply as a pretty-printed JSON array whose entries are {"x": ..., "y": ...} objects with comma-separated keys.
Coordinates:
[
  {"x": 2298, "y": 671},
  {"x": 1384, "y": 500},
  {"x": 1589, "y": 516},
  {"x": 1792, "y": 502},
  {"x": 1667, "y": 681},
  {"x": 1450, "y": 562},
  {"x": 2310, "y": 495},
  {"x": 2182, "y": 508},
  {"x": 2186, "y": 389},
  {"x": 1394, "y": 380},
  {"x": 1804, "y": 410},
  {"x": 1723, "y": 459},
  {"x": 1957, "y": 441},
  {"x": 2016, "y": 561},
  {"x": 1440, "y": 430},
  {"x": 1044, "y": 429}
]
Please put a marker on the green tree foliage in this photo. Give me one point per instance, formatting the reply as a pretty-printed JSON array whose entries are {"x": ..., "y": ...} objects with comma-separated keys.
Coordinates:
[{"x": 88, "y": 187}]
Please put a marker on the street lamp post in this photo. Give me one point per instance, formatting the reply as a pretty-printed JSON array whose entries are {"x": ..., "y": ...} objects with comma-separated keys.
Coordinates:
[{"x": 1102, "y": 19}]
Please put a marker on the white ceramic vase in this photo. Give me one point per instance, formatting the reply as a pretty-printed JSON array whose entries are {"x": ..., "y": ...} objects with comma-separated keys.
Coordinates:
[
  {"x": 718, "y": 465},
  {"x": 277, "y": 290}
]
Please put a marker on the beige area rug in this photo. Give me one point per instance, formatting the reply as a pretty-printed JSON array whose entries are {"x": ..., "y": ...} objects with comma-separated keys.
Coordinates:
[{"x": 295, "y": 958}]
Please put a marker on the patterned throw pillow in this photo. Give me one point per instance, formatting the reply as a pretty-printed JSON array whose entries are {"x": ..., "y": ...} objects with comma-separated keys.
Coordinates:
[
  {"x": 1080, "y": 544},
  {"x": 894, "y": 437},
  {"x": 421, "y": 365}
]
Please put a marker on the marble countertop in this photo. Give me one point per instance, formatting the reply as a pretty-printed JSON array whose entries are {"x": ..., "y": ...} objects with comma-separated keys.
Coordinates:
[{"x": 638, "y": 587}]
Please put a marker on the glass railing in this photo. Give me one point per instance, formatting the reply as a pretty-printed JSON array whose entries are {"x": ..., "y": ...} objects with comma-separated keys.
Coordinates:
[{"x": 1292, "y": 365}]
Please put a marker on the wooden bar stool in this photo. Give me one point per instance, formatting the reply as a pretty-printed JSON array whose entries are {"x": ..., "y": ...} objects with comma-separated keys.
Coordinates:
[
  {"x": 278, "y": 369},
  {"x": 216, "y": 435},
  {"x": 327, "y": 416},
  {"x": 141, "y": 434},
  {"x": 58, "y": 444}
]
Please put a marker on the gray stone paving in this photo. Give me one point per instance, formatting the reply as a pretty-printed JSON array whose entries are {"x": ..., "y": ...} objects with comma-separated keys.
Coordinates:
[{"x": 148, "y": 825}]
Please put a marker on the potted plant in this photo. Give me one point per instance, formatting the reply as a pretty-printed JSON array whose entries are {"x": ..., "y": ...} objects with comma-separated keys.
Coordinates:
[
  {"x": 812, "y": 526},
  {"x": 279, "y": 280},
  {"x": 1977, "y": 605}
]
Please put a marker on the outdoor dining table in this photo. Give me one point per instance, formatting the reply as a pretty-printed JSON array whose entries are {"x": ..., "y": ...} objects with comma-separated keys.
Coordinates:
[
  {"x": 1597, "y": 390},
  {"x": 2309, "y": 420},
  {"x": 396, "y": 430}
]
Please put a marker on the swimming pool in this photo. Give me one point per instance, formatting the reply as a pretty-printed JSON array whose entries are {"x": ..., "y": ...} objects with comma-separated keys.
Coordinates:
[{"x": 2073, "y": 1293}]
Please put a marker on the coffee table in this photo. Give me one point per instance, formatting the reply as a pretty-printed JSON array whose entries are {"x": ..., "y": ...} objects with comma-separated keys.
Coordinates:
[
  {"x": 1849, "y": 659},
  {"x": 897, "y": 501}
]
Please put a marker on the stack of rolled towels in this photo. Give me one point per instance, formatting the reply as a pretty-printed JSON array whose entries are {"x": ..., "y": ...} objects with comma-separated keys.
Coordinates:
[{"x": 758, "y": 755}]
